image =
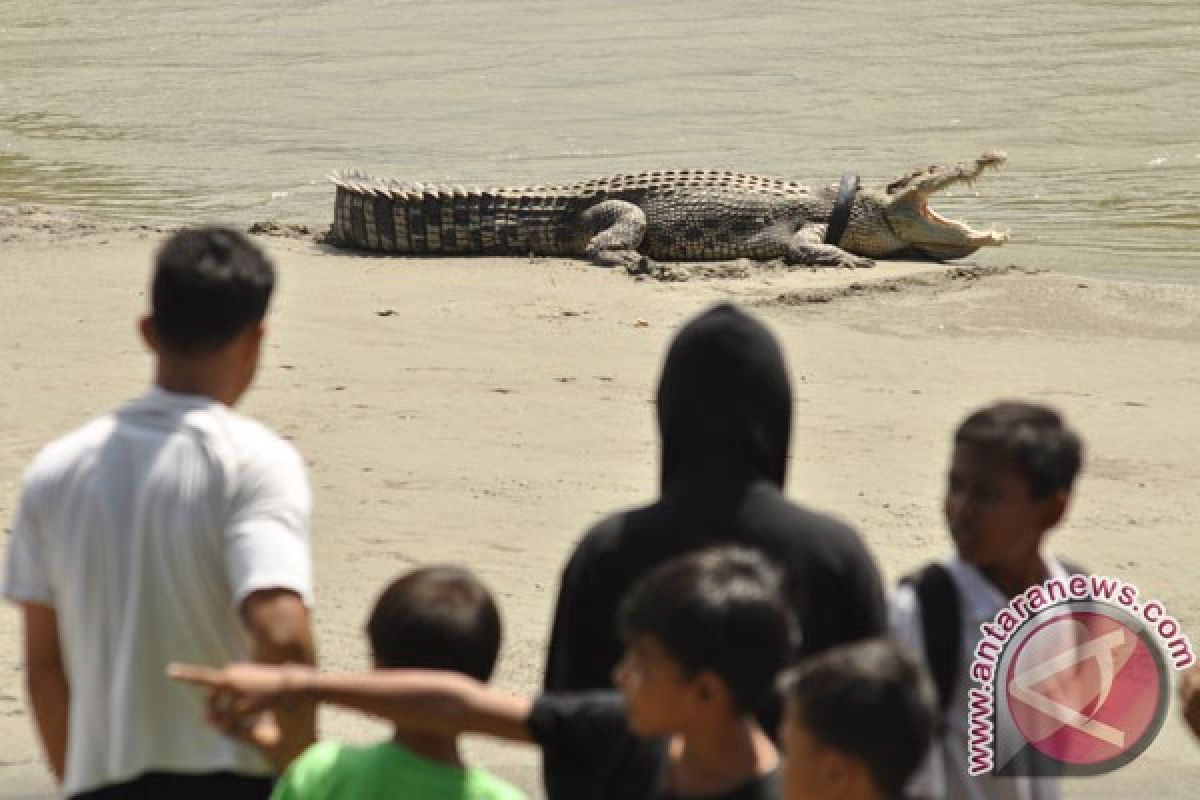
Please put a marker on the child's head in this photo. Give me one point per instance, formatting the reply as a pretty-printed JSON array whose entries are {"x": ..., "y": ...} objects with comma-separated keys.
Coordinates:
[
  {"x": 1009, "y": 482},
  {"x": 859, "y": 719},
  {"x": 436, "y": 618},
  {"x": 705, "y": 636}
]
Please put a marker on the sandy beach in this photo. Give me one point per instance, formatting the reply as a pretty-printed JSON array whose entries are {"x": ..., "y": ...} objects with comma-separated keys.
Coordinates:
[{"x": 486, "y": 411}]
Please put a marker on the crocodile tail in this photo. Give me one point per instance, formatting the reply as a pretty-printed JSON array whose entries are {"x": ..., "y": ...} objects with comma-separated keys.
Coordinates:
[
  {"x": 411, "y": 218},
  {"x": 419, "y": 219}
]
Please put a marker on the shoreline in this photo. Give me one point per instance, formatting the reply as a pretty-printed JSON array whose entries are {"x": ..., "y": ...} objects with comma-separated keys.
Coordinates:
[
  {"x": 487, "y": 410},
  {"x": 31, "y": 222}
]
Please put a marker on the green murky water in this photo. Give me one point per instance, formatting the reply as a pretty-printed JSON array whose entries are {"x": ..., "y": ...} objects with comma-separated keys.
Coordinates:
[{"x": 222, "y": 111}]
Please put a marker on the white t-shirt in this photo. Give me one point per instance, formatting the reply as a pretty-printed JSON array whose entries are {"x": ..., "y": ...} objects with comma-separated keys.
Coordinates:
[
  {"x": 944, "y": 773},
  {"x": 144, "y": 530}
]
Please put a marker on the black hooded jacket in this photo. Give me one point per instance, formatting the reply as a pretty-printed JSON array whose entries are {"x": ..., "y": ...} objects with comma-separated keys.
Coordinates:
[{"x": 724, "y": 415}]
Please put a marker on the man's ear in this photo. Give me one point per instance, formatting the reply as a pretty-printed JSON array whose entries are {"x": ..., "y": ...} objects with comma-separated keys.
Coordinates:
[
  {"x": 149, "y": 334},
  {"x": 1054, "y": 508},
  {"x": 250, "y": 340},
  {"x": 257, "y": 332},
  {"x": 838, "y": 773},
  {"x": 710, "y": 689}
]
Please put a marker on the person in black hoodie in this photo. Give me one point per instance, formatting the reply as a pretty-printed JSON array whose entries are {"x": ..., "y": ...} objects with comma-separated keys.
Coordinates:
[{"x": 724, "y": 415}]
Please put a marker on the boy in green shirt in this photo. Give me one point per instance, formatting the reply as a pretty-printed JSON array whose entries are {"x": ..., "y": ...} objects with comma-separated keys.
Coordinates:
[{"x": 438, "y": 618}]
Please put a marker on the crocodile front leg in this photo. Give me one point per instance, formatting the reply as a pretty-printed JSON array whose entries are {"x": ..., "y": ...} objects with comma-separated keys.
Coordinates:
[
  {"x": 618, "y": 228},
  {"x": 808, "y": 248}
]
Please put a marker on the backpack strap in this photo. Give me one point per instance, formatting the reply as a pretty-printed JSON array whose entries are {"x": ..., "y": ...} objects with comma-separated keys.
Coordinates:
[{"x": 941, "y": 624}]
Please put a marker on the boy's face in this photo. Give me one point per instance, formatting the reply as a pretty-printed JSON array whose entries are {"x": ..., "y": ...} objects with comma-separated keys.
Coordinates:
[
  {"x": 659, "y": 695},
  {"x": 990, "y": 510}
]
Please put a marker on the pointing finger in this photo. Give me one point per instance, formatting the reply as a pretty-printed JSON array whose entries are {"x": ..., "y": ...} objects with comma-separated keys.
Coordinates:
[{"x": 199, "y": 676}]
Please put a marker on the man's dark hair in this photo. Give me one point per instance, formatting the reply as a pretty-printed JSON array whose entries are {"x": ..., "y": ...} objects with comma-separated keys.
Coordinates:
[
  {"x": 870, "y": 700},
  {"x": 720, "y": 610},
  {"x": 436, "y": 618},
  {"x": 1035, "y": 438},
  {"x": 209, "y": 285}
]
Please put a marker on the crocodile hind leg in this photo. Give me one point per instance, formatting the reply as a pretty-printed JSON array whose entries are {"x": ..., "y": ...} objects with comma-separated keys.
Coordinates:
[
  {"x": 617, "y": 228},
  {"x": 808, "y": 248}
]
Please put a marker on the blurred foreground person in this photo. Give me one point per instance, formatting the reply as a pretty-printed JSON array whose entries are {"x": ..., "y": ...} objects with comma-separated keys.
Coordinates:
[
  {"x": 1012, "y": 470},
  {"x": 858, "y": 722},
  {"x": 170, "y": 529},
  {"x": 725, "y": 416}
]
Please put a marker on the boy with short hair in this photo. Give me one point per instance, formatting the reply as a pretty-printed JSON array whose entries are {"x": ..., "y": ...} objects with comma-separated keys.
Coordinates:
[
  {"x": 857, "y": 723},
  {"x": 433, "y": 618},
  {"x": 705, "y": 636},
  {"x": 1010, "y": 480}
]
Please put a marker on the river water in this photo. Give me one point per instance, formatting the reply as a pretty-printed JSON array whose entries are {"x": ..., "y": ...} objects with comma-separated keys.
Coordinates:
[{"x": 219, "y": 110}]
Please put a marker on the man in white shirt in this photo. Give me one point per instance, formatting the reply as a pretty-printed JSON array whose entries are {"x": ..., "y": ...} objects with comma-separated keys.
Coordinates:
[{"x": 172, "y": 529}]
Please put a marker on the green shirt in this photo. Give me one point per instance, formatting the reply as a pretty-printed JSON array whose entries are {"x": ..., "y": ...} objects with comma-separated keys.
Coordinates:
[{"x": 330, "y": 770}]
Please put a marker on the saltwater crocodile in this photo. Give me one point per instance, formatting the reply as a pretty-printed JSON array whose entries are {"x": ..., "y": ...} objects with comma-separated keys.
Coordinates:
[{"x": 667, "y": 215}]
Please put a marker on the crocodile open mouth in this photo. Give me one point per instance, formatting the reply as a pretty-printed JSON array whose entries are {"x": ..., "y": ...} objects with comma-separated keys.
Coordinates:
[
  {"x": 930, "y": 215},
  {"x": 993, "y": 235},
  {"x": 935, "y": 235},
  {"x": 922, "y": 183}
]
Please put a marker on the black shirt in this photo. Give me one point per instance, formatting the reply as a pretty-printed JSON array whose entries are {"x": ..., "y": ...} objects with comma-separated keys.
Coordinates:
[{"x": 587, "y": 734}]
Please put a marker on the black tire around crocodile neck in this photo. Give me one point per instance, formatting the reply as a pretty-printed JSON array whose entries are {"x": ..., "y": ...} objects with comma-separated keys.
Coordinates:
[{"x": 839, "y": 218}]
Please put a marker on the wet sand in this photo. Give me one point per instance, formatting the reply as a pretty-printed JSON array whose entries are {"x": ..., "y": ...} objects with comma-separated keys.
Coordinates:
[{"x": 486, "y": 411}]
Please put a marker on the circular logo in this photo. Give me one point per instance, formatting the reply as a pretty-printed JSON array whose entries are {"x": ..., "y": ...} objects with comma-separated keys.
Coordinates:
[{"x": 1088, "y": 689}]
